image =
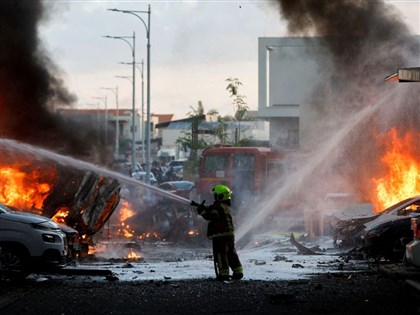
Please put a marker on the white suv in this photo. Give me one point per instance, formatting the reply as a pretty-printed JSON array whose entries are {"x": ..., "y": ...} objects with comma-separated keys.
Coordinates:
[{"x": 29, "y": 242}]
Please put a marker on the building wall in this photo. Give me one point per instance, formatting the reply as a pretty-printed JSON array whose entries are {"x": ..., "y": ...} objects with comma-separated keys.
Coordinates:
[
  {"x": 289, "y": 70},
  {"x": 284, "y": 132},
  {"x": 255, "y": 129},
  {"x": 169, "y": 146}
]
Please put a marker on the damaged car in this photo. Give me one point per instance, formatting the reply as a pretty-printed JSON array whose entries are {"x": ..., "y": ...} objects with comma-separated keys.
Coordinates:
[
  {"x": 29, "y": 242},
  {"x": 388, "y": 234},
  {"x": 383, "y": 235}
]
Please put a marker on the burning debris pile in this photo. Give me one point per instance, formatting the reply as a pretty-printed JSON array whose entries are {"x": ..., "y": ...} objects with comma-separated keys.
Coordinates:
[
  {"x": 162, "y": 220},
  {"x": 142, "y": 220},
  {"x": 80, "y": 199}
]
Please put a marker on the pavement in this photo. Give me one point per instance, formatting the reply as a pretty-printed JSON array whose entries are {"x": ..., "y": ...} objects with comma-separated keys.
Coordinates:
[
  {"x": 403, "y": 272},
  {"x": 327, "y": 287},
  {"x": 338, "y": 293}
]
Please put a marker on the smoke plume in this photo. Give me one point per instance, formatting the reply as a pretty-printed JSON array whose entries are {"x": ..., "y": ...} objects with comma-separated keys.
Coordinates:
[
  {"x": 366, "y": 40},
  {"x": 30, "y": 87}
]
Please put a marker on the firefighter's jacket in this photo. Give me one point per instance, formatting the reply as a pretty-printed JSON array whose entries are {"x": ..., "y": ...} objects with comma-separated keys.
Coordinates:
[{"x": 220, "y": 217}]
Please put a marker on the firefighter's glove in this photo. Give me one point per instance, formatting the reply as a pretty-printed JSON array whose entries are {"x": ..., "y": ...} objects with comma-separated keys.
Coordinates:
[
  {"x": 194, "y": 204},
  {"x": 200, "y": 206}
]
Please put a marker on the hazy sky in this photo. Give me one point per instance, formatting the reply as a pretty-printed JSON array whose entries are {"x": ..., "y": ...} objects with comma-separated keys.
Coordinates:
[{"x": 195, "y": 47}]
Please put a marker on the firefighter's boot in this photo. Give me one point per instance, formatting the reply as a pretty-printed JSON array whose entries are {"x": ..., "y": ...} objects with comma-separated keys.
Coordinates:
[{"x": 237, "y": 276}]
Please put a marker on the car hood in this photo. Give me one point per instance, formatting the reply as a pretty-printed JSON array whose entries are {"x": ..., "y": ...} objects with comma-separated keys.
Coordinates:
[
  {"x": 67, "y": 229},
  {"x": 23, "y": 217},
  {"x": 387, "y": 218}
]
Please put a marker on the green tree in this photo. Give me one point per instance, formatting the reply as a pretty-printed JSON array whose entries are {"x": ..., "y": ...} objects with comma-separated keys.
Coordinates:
[
  {"x": 190, "y": 137},
  {"x": 191, "y": 140},
  {"x": 240, "y": 106},
  {"x": 220, "y": 131}
]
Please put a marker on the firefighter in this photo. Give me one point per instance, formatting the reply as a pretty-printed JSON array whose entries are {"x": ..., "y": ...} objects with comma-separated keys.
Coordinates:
[{"x": 221, "y": 231}]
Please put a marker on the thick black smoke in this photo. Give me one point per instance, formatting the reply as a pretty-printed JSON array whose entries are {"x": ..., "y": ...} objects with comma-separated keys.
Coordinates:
[
  {"x": 29, "y": 83},
  {"x": 366, "y": 41}
]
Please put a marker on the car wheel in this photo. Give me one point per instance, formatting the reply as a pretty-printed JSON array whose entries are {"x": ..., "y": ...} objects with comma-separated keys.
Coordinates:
[{"x": 13, "y": 264}]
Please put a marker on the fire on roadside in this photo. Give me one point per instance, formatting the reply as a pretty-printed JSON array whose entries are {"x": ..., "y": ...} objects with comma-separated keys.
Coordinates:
[
  {"x": 402, "y": 165},
  {"x": 124, "y": 230},
  {"x": 193, "y": 232},
  {"x": 61, "y": 215},
  {"x": 125, "y": 212},
  {"x": 25, "y": 186},
  {"x": 149, "y": 235},
  {"x": 132, "y": 255}
]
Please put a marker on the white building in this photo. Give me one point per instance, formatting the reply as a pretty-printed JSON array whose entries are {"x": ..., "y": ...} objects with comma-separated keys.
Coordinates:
[
  {"x": 288, "y": 71},
  {"x": 251, "y": 128}
]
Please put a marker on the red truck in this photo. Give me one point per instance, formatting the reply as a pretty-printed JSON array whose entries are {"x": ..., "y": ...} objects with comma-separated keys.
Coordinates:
[{"x": 246, "y": 170}]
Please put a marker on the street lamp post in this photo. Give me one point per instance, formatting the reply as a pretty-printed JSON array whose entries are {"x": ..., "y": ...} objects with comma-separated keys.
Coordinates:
[
  {"x": 97, "y": 120},
  {"x": 129, "y": 78},
  {"x": 147, "y": 27},
  {"x": 104, "y": 99},
  {"x": 117, "y": 123},
  {"x": 142, "y": 106},
  {"x": 133, "y": 123}
]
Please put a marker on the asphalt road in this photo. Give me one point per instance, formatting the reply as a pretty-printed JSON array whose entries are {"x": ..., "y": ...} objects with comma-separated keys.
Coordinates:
[{"x": 343, "y": 293}]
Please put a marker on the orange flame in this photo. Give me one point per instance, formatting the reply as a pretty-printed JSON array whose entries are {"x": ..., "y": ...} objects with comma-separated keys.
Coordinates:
[
  {"x": 149, "y": 235},
  {"x": 132, "y": 255},
  {"x": 193, "y": 232},
  {"x": 25, "y": 187},
  {"x": 61, "y": 215},
  {"x": 402, "y": 179},
  {"x": 125, "y": 212}
]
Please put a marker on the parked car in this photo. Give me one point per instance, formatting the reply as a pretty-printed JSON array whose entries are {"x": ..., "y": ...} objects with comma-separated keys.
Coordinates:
[
  {"x": 179, "y": 162},
  {"x": 29, "y": 242},
  {"x": 181, "y": 188},
  {"x": 173, "y": 173},
  {"x": 142, "y": 176},
  {"x": 383, "y": 235}
]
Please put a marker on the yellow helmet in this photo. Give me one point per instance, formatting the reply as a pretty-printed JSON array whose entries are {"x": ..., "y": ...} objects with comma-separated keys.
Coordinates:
[{"x": 221, "y": 192}]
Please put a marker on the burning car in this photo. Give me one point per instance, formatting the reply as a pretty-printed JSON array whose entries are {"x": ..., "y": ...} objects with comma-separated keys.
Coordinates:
[
  {"x": 383, "y": 235},
  {"x": 81, "y": 199},
  {"x": 388, "y": 234}
]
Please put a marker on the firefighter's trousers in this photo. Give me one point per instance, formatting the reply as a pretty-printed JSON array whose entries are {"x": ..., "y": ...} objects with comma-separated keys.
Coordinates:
[{"x": 225, "y": 256}]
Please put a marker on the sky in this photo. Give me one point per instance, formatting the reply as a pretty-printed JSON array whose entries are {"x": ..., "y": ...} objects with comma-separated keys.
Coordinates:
[{"x": 195, "y": 47}]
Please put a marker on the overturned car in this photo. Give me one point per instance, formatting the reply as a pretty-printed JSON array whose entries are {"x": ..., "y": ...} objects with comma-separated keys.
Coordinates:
[{"x": 382, "y": 235}]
